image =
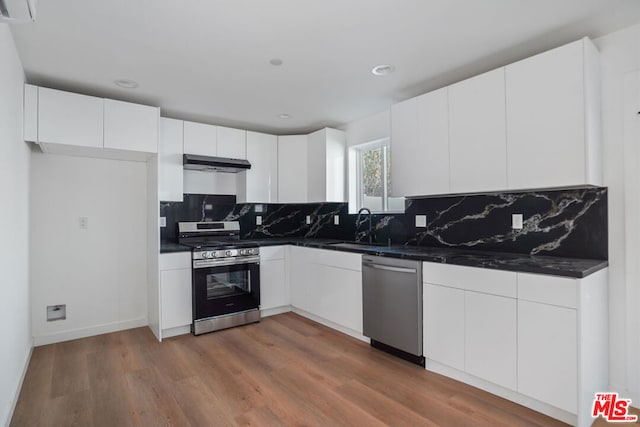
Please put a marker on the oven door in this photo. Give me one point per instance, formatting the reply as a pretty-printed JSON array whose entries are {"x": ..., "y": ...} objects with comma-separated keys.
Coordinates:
[{"x": 224, "y": 289}]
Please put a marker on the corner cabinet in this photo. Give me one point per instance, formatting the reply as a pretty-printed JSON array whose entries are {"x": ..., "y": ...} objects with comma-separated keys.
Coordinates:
[
  {"x": 535, "y": 339},
  {"x": 292, "y": 169},
  {"x": 553, "y": 118},
  {"x": 326, "y": 162}
]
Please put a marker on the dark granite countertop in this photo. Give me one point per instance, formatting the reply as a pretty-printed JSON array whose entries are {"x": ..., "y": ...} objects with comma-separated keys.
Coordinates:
[{"x": 538, "y": 264}]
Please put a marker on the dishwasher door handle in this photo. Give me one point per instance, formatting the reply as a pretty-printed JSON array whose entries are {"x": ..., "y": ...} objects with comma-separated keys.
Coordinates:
[{"x": 390, "y": 268}]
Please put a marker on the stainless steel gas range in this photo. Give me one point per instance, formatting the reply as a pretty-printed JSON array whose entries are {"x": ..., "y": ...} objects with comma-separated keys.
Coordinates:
[{"x": 226, "y": 275}]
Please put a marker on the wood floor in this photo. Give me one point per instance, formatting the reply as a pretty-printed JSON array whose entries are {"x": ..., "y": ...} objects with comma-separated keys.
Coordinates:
[{"x": 285, "y": 370}]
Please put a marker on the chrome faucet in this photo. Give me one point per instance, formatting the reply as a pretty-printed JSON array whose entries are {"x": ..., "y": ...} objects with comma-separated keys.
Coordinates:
[{"x": 368, "y": 211}]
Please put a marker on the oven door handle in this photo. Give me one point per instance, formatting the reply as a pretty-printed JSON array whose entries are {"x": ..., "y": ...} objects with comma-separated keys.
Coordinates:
[{"x": 209, "y": 263}]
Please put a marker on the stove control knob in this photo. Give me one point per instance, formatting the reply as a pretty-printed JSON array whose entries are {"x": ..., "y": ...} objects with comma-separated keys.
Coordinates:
[
  {"x": 244, "y": 252},
  {"x": 228, "y": 253},
  {"x": 212, "y": 254},
  {"x": 206, "y": 254}
]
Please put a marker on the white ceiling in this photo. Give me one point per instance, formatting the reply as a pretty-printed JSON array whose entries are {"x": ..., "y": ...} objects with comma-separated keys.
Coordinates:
[{"x": 208, "y": 60}]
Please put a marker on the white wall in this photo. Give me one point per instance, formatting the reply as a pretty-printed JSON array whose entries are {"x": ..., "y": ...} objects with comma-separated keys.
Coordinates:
[
  {"x": 619, "y": 55},
  {"x": 15, "y": 328},
  {"x": 100, "y": 273},
  {"x": 198, "y": 182},
  {"x": 367, "y": 129}
]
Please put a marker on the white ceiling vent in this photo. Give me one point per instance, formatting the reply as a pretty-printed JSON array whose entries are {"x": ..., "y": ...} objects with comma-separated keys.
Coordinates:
[{"x": 17, "y": 10}]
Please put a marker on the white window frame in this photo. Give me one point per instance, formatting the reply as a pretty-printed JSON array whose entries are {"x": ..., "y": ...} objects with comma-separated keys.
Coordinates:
[{"x": 356, "y": 194}]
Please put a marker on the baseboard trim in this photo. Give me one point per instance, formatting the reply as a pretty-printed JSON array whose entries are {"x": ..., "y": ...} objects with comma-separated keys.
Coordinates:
[
  {"x": 276, "y": 310},
  {"x": 174, "y": 332},
  {"x": 16, "y": 393},
  {"x": 330, "y": 324},
  {"x": 500, "y": 391},
  {"x": 89, "y": 332}
]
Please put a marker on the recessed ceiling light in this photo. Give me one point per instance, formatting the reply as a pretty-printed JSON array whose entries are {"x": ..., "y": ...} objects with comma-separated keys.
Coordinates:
[
  {"x": 284, "y": 116},
  {"x": 276, "y": 62},
  {"x": 383, "y": 70},
  {"x": 126, "y": 83}
]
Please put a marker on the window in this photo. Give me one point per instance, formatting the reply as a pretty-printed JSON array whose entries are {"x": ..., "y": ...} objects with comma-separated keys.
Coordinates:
[{"x": 370, "y": 178}]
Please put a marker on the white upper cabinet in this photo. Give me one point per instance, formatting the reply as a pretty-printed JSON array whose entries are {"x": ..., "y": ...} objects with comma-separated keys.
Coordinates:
[
  {"x": 69, "y": 118},
  {"x": 553, "y": 118},
  {"x": 231, "y": 143},
  {"x": 420, "y": 145},
  {"x": 477, "y": 133},
  {"x": 201, "y": 139},
  {"x": 131, "y": 127},
  {"x": 326, "y": 166},
  {"x": 170, "y": 172},
  {"x": 292, "y": 169},
  {"x": 260, "y": 183}
]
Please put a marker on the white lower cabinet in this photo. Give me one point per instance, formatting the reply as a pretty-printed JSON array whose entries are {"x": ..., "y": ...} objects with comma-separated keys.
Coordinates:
[
  {"x": 175, "y": 293},
  {"x": 538, "y": 340},
  {"x": 328, "y": 284},
  {"x": 176, "y": 298},
  {"x": 274, "y": 288},
  {"x": 444, "y": 325},
  {"x": 547, "y": 354},
  {"x": 490, "y": 338}
]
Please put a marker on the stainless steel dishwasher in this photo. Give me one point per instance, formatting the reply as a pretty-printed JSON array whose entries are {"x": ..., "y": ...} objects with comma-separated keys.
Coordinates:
[{"x": 392, "y": 305}]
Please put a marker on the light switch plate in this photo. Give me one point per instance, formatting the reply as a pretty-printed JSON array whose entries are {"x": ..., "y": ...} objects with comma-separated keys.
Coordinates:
[
  {"x": 308, "y": 219},
  {"x": 83, "y": 222},
  {"x": 257, "y": 208},
  {"x": 516, "y": 221},
  {"x": 421, "y": 220},
  {"x": 336, "y": 220},
  {"x": 163, "y": 221},
  {"x": 258, "y": 220}
]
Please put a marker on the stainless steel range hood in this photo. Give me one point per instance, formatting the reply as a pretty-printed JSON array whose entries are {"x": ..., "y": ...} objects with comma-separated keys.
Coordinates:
[{"x": 214, "y": 164}]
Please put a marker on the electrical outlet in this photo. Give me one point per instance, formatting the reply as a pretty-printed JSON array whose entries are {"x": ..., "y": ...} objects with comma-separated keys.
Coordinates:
[
  {"x": 208, "y": 207},
  {"x": 257, "y": 208},
  {"x": 308, "y": 219},
  {"x": 83, "y": 222},
  {"x": 56, "y": 312},
  {"x": 421, "y": 221},
  {"x": 336, "y": 220},
  {"x": 258, "y": 220},
  {"x": 516, "y": 221},
  {"x": 163, "y": 221}
]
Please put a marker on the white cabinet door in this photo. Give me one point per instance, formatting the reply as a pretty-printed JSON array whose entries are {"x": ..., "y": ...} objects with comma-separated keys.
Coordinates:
[
  {"x": 232, "y": 143},
  {"x": 131, "y": 127},
  {"x": 547, "y": 354},
  {"x": 546, "y": 128},
  {"x": 200, "y": 139},
  {"x": 70, "y": 118},
  {"x": 260, "y": 183},
  {"x": 305, "y": 280},
  {"x": 175, "y": 295},
  {"x": 339, "y": 297},
  {"x": 170, "y": 171},
  {"x": 420, "y": 145},
  {"x": 292, "y": 169},
  {"x": 444, "y": 325},
  {"x": 477, "y": 133},
  {"x": 490, "y": 338},
  {"x": 273, "y": 287}
]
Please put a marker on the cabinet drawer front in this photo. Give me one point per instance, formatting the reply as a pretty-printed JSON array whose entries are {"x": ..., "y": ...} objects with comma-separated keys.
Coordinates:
[
  {"x": 338, "y": 259},
  {"x": 175, "y": 261},
  {"x": 268, "y": 253},
  {"x": 483, "y": 280},
  {"x": 553, "y": 290}
]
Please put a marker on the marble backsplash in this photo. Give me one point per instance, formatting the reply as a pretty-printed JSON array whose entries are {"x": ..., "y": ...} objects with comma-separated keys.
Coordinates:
[{"x": 569, "y": 222}]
